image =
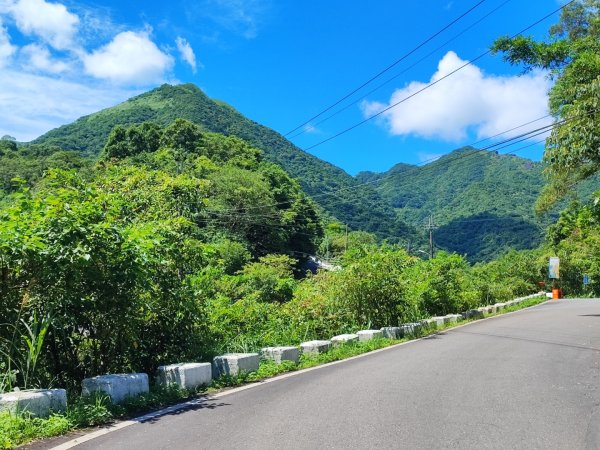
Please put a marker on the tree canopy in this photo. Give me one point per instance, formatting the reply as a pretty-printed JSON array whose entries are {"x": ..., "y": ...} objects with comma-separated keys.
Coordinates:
[{"x": 572, "y": 55}]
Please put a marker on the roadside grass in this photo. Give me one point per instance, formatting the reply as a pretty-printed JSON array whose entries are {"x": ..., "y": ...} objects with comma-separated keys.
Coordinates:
[
  {"x": 524, "y": 304},
  {"x": 345, "y": 351},
  {"x": 95, "y": 410},
  {"x": 84, "y": 412},
  {"x": 18, "y": 429}
]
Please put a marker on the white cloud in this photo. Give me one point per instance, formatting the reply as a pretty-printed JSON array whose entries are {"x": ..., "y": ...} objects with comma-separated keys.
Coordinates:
[
  {"x": 39, "y": 58},
  {"x": 6, "y": 48},
  {"x": 467, "y": 100},
  {"x": 243, "y": 17},
  {"x": 32, "y": 104},
  {"x": 52, "y": 22},
  {"x": 310, "y": 129},
  {"x": 187, "y": 52},
  {"x": 59, "y": 72},
  {"x": 428, "y": 157},
  {"x": 131, "y": 57}
]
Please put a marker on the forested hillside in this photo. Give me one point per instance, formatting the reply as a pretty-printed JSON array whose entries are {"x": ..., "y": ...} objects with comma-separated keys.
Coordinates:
[
  {"x": 135, "y": 244},
  {"x": 482, "y": 202},
  {"x": 334, "y": 189}
]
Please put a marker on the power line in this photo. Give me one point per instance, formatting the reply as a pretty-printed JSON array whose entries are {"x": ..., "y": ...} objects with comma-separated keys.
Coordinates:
[
  {"x": 388, "y": 67},
  {"x": 221, "y": 219},
  {"x": 501, "y": 144},
  {"x": 430, "y": 85},
  {"x": 389, "y": 80}
]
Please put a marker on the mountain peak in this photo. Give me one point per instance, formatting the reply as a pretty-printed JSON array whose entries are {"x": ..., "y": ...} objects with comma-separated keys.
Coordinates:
[{"x": 336, "y": 191}]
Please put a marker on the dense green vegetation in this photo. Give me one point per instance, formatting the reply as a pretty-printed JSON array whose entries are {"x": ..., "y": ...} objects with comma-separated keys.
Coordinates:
[
  {"x": 29, "y": 162},
  {"x": 575, "y": 238},
  {"x": 191, "y": 237},
  {"x": 482, "y": 201},
  {"x": 137, "y": 248},
  {"x": 333, "y": 189},
  {"x": 572, "y": 55}
]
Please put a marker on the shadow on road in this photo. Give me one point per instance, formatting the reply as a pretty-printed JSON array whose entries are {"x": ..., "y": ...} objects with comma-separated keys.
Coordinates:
[
  {"x": 176, "y": 410},
  {"x": 436, "y": 335}
]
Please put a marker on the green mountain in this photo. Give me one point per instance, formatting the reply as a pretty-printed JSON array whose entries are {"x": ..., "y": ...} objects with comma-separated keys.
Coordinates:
[
  {"x": 482, "y": 202},
  {"x": 361, "y": 208}
]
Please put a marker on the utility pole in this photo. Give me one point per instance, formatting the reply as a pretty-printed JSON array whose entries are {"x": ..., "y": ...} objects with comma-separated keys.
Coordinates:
[
  {"x": 430, "y": 227},
  {"x": 346, "y": 249}
]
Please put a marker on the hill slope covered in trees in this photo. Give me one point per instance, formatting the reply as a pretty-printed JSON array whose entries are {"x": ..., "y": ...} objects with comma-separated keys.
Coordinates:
[
  {"x": 361, "y": 208},
  {"x": 482, "y": 202}
]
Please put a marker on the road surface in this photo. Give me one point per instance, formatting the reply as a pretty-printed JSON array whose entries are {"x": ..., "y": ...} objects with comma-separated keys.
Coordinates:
[{"x": 528, "y": 380}]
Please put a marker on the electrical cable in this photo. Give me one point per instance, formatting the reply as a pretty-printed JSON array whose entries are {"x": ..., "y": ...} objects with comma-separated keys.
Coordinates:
[
  {"x": 430, "y": 85},
  {"x": 389, "y": 80},
  {"x": 500, "y": 144},
  {"x": 388, "y": 67}
]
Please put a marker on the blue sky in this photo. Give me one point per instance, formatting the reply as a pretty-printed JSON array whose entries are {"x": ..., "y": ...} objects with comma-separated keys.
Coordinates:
[{"x": 280, "y": 63}]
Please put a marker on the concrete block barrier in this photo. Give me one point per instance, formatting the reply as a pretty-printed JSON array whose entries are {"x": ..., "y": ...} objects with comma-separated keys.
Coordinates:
[
  {"x": 499, "y": 306},
  {"x": 118, "y": 386},
  {"x": 474, "y": 314},
  {"x": 439, "y": 321},
  {"x": 187, "y": 375},
  {"x": 429, "y": 323},
  {"x": 367, "y": 335},
  {"x": 452, "y": 318},
  {"x": 391, "y": 332},
  {"x": 38, "y": 402},
  {"x": 233, "y": 364},
  {"x": 492, "y": 309},
  {"x": 315, "y": 347},
  {"x": 408, "y": 329},
  {"x": 279, "y": 354},
  {"x": 344, "y": 338}
]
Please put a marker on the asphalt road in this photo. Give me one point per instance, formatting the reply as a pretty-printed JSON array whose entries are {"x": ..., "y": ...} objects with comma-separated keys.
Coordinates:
[{"x": 528, "y": 380}]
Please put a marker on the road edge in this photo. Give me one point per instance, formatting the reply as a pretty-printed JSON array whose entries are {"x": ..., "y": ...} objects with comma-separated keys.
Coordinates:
[{"x": 190, "y": 403}]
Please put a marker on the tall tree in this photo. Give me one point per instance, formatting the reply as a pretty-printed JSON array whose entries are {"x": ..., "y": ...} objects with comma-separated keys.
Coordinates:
[{"x": 572, "y": 55}]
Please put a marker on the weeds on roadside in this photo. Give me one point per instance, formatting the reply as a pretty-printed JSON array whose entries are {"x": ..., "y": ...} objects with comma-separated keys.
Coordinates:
[
  {"x": 16, "y": 429},
  {"x": 345, "y": 351}
]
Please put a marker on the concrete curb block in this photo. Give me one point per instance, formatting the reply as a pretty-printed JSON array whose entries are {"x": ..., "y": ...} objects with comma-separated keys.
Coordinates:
[
  {"x": 344, "y": 338},
  {"x": 428, "y": 324},
  {"x": 367, "y": 335},
  {"x": 315, "y": 347},
  {"x": 279, "y": 354},
  {"x": 117, "y": 386},
  {"x": 391, "y": 332},
  {"x": 452, "y": 318},
  {"x": 409, "y": 329},
  {"x": 439, "y": 320},
  {"x": 39, "y": 402},
  {"x": 475, "y": 314},
  {"x": 188, "y": 375},
  {"x": 233, "y": 364}
]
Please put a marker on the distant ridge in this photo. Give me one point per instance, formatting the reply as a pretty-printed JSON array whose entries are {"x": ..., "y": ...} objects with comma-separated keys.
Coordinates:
[{"x": 482, "y": 201}]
